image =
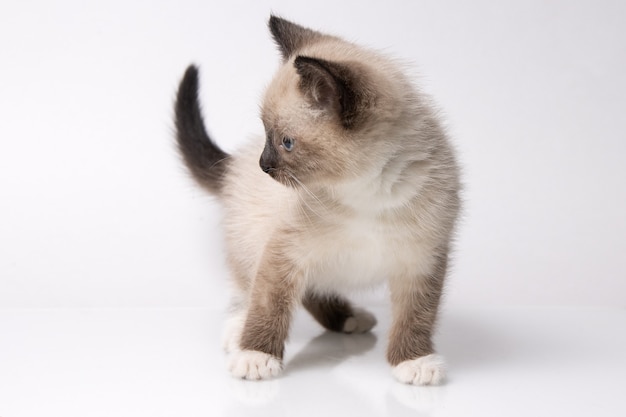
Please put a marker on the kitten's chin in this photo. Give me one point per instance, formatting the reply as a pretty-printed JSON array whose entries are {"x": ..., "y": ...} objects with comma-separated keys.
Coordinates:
[{"x": 283, "y": 178}]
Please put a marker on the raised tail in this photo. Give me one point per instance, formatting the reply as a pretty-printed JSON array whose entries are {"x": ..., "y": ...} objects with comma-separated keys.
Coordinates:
[{"x": 205, "y": 160}]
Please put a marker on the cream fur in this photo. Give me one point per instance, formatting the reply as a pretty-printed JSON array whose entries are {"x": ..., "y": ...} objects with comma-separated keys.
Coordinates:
[
  {"x": 389, "y": 216},
  {"x": 359, "y": 201}
]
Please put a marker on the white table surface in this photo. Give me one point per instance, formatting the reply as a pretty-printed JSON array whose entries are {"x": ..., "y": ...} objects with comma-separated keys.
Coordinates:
[{"x": 168, "y": 362}]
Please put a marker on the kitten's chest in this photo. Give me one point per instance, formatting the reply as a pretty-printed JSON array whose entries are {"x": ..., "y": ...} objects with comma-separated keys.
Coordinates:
[{"x": 354, "y": 252}]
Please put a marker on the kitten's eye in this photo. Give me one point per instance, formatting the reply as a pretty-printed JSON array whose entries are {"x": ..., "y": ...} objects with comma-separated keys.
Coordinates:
[{"x": 288, "y": 143}]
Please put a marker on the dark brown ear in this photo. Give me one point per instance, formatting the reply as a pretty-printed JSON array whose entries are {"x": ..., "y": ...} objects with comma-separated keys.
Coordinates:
[
  {"x": 335, "y": 87},
  {"x": 290, "y": 37}
]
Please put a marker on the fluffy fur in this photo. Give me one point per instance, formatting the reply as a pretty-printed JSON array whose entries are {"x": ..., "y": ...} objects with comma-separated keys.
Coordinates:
[{"x": 355, "y": 184}]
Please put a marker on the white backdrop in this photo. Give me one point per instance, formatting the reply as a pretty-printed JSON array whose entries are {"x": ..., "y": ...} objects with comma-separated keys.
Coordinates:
[{"x": 97, "y": 211}]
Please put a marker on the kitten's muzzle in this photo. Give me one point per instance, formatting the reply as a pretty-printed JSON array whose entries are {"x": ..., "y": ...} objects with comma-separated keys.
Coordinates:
[{"x": 269, "y": 158}]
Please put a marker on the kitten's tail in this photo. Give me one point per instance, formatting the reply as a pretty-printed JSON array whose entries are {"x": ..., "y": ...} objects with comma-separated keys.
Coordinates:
[{"x": 205, "y": 160}]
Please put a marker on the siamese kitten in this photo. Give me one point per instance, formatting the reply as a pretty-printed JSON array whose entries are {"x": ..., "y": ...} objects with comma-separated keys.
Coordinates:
[{"x": 354, "y": 184}]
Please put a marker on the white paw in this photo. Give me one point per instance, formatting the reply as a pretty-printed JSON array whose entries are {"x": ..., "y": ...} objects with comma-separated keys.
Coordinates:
[
  {"x": 361, "y": 322},
  {"x": 425, "y": 370},
  {"x": 254, "y": 365}
]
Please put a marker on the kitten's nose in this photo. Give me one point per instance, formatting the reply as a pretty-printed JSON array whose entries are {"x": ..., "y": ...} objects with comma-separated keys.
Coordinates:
[
  {"x": 267, "y": 166},
  {"x": 269, "y": 158}
]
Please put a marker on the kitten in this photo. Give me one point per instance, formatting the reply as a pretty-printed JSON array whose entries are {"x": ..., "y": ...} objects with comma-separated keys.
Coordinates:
[{"x": 354, "y": 184}]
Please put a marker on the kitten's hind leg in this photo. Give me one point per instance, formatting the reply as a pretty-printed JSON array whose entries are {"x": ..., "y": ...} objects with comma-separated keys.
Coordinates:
[{"x": 337, "y": 314}]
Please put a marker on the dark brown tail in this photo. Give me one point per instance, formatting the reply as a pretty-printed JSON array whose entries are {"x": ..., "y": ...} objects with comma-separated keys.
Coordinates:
[{"x": 206, "y": 162}]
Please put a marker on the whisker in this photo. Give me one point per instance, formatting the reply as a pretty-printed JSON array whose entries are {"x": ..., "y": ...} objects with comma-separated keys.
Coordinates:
[
  {"x": 220, "y": 161},
  {"x": 309, "y": 192},
  {"x": 292, "y": 183},
  {"x": 307, "y": 189}
]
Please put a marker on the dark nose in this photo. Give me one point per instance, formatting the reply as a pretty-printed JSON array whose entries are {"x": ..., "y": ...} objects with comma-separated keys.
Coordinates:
[
  {"x": 265, "y": 168},
  {"x": 269, "y": 158}
]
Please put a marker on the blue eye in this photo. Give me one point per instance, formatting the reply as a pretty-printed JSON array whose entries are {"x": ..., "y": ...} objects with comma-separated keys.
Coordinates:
[{"x": 288, "y": 143}]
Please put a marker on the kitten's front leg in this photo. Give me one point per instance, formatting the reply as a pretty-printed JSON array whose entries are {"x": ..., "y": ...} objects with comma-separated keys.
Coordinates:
[
  {"x": 415, "y": 303},
  {"x": 275, "y": 293}
]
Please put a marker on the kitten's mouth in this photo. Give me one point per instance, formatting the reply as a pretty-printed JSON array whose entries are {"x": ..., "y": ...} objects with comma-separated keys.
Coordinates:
[{"x": 284, "y": 177}]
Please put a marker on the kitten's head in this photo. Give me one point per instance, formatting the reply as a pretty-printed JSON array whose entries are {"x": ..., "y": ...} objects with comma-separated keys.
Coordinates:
[{"x": 323, "y": 110}]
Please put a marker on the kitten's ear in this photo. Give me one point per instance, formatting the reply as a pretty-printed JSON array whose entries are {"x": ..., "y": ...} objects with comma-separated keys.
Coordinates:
[
  {"x": 290, "y": 37},
  {"x": 335, "y": 87}
]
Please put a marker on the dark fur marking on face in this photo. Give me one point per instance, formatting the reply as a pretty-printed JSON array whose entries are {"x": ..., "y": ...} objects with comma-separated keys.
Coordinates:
[{"x": 270, "y": 158}]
